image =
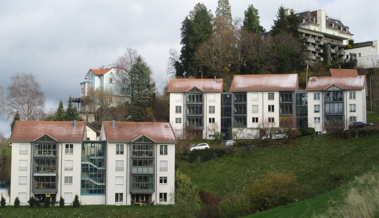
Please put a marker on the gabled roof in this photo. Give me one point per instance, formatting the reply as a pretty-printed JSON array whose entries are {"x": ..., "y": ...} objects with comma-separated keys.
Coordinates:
[
  {"x": 322, "y": 83},
  {"x": 343, "y": 72},
  {"x": 130, "y": 131},
  {"x": 59, "y": 130},
  {"x": 265, "y": 82},
  {"x": 205, "y": 85},
  {"x": 100, "y": 71}
]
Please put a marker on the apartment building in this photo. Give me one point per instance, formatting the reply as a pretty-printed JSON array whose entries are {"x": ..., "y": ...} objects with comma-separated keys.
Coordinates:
[
  {"x": 195, "y": 107},
  {"x": 336, "y": 100},
  {"x": 130, "y": 161},
  {"x": 366, "y": 53}
]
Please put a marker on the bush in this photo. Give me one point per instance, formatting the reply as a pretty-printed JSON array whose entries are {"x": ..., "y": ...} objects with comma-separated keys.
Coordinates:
[
  {"x": 205, "y": 155},
  {"x": 3, "y": 202},
  {"x": 209, "y": 211},
  {"x": 16, "y": 202},
  {"x": 76, "y": 202},
  {"x": 272, "y": 191},
  {"x": 235, "y": 205},
  {"x": 32, "y": 201},
  {"x": 47, "y": 202},
  {"x": 337, "y": 178},
  {"x": 307, "y": 131},
  {"x": 239, "y": 144},
  {"x": 61, "y": 202},
  {"x": 208, "y": 198}
]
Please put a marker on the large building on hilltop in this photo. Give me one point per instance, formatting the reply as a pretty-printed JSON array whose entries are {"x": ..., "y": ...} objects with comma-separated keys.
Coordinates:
[{"x": 366, "y": 53}]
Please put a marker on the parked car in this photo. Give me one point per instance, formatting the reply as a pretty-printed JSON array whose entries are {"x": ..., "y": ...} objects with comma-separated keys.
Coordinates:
[
  {"x": 200, "y": 146},
  {"x": 278, "y": 134},
  {"x": 358, "y": 125},
  {"x": 230, "y": 142}
]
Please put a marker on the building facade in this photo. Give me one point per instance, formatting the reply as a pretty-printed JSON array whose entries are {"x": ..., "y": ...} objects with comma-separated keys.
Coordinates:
[
  {"x": 366, "y": 53},
  {"x": 195, "y": 107},
  {"x": 53, "y": 159}
]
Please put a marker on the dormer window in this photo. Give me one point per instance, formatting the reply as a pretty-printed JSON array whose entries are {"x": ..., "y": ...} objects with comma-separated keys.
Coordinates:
[
  {"x": 332, "y": 25},
  {"x": 303, "y": 20}
]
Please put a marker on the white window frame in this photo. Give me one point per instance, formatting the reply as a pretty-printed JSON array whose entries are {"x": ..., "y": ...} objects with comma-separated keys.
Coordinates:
[
  {"x": 178, "y": 109},
  {"x": 211, "y": 97},
  {"x": 271, "y": 119},
  {"x": 178, "y": 97},
  {"x": 255, "y": 97},
  {"x": 317, "y": 120},
  {"x": 316, "y": 96},
  {"x": 119, "y": 165},
  {"x": 22, "y": 180},
  {"x": 212, "y": 120},
  {"x": 163, "y": 180},
  {"x": 68, "y": 165},
  {"x": 255, "y": 120},
  {"x": 178, "y": 120},
  {"x": 352, "y": 95},
  {"x": 163, "y": 150},
  {"x": 255, "y": 108},
  {"x": 119, "y": 180},
  {"x": 22, "y": 197},
  {"x": 316, "y": 108},
  {"x": 119, "y": 198},
  {"x": 271, "y": 108},
  {"x": 110, "y": 80},
  {"x": 23, "y": 165},
  {"x": 119, "y": 149},
  {"x": 212, "y": 109},
  {"x": 23, "y": 149},
  {"x": 163, "y": 165},
  {"x": 68, "y": 180},
  {"x": 69, "y": 149},
  {"x": 353, "y": 107},
  {"x": 163, "y": 197},
  {"x": 271, "y": 96},
  {"x": 68, "y": 197}
]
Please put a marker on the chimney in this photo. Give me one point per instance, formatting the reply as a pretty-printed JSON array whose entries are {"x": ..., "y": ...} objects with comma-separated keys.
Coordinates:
[
  {"x": 75, "y": 124},
  {"x": 113, "y": 124}
]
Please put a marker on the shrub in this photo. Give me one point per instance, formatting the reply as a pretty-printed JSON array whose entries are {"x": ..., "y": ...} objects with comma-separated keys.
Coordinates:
[
  {"x": 32, "y": 201},
  {"x": 208, "y": 198},
  {"x": 209, "y": 211},
  {"x": 61, "y": 202},
  {"x": 272, "y": 191},
  {"x": 47, "y": 202},
  {"x": 3, "y": 202},
  {"x": 16, "y": 202},
  {"x": 239, "y": 144},
  {"x": 337, "y": 178},
  {"x": 235, "y": 205},
  {"x": 205, "y": 155},
  {"x": 307, "y": 131},
  {"x": 76, "y": 202}
]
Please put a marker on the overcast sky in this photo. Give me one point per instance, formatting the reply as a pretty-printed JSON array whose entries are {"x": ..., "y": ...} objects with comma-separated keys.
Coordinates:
[{"x": 59, "y": 41}]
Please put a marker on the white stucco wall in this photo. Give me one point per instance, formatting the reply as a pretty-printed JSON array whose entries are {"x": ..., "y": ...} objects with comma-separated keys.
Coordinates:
[
  {"x": 212, "y": 128},
  {"x": 170, "y": 174},
  {"x": 364, "y": 55},
  {"x": 311, "y": 114},
  {"x": 177, "y": 127}
]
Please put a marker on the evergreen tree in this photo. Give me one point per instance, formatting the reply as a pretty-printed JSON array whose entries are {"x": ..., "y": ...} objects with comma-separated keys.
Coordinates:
[
  {"x": 224, "y": 11},
  {"x": 281, "y": 24},
  {"x": 60, "y": 114},
  {"x": 251, "y": 21},
  {"x": 142, "y": 89},
  {"x": 186, "y": 52},
  {"x": 15, "y": 118},
  {"x": 71, "y": 113}
]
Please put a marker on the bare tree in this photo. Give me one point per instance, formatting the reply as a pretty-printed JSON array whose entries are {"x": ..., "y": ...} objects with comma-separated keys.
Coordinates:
[
  {"x": 25, "y": 96},
  {"x": 127, "y": 60},
  {"x": 172, "y": 63}
]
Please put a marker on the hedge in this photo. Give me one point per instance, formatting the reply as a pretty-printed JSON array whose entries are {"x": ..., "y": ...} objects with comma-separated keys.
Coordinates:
[{"x": 206, "y": 155}]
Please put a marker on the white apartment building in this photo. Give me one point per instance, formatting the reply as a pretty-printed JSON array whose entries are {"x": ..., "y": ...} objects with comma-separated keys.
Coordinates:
[
  {"x": 367, "y": 54},
  {"x": 195, "y": 106},
  {"x": 109, "y": 79},
  {"x": 339, "y": 99},
  {"x": 262, "y": 101},
  {"x": 53, "y": 159}
]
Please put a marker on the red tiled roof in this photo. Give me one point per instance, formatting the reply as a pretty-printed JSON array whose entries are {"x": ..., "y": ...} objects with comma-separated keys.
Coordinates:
[
  {"x": 206, "y": 85},
  {"x": 343, "y": 72},
  {"x": 264, "y": 82},
  {"x": 100, "y": 71},
  {"x": 129, "y": 131},
  {"x": 59, "y": 130},
  {"x": 322, "y": 83}
]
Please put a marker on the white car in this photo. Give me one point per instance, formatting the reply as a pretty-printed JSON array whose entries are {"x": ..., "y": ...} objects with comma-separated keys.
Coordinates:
[
  {"x": 230, "y": 142},
  {"x": 200, "y": 146}
]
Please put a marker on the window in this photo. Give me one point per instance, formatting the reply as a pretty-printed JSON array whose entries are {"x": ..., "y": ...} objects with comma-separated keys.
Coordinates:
[
  {"x": 285, "y": 97},
  {"x": 178, "y": 120},
  {"x": 211, "y": 97},
  {"x": 163, "y": 165},
  {"x": 255, "y": 108},
  {"x": 119, "y": 165},
  {"x": 101, "y": 80},
  {"x": 163, "y": 180},
  {"x": 23, "y": 149},
  {"x": 352, "y": 107},
  {"x": 271, "y": 120},
  {"x": 178, "y": 97},
  {"x": 142, "y": 182},
  {"x": 255, "y": 96},
  {"x": 68, "y": 165},
  {"x": 119, "y": 197},
  {"x": 68, "y": 180},
  {"x": 270, "y": 96},
  {"x": 255, "y": 119},
  {"x": 119, "y": 180},
  {"x": 163, "y": 150},
  {"x": 317, "y": 108},
  {"x": 194, "y": 121},
  {"x": 22, "y": 180},
  {"x": 90, "y": 76},
  {"x": 143, "y": 150},
  {"x": 211, "y": 120},
  {"x": 197, "y": 109},
  {"x": 110, "y": 80},
  {"x": 240, "y": 109},
  {"x": 316, "y": 96},
  {"x": 142, "y": 166},
  {"x": 211, "y": 109},
  {"x": 162, "y": 197},
  {"x": 239, "y": 121},
  {"x": 23, "y": 165},
  {"x": 44, "y": 182},
  {"x": 178, "y": 109},
  {"x": 240, "y": 97},
  {"x": 359, "y": 54},
  {"x": 22, "y": 197},
  {"x": 69, "y": 149},
  {"x": 45, "y": 165},
  {"x": 271, "y": 108},
  {"x": 353, "y": 119},
  {"x": 317, "y": 120},
  {"x": 119, "y": 148},
  {"x": 352, "y": 95},
  {"x": 68, "y": 197},
  {"x": 194, "y": 98}
]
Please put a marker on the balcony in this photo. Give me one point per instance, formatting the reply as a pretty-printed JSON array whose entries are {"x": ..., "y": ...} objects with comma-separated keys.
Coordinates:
[
  {"x": 311, "y": 48},
  {"x": 311, "y": 40}
]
